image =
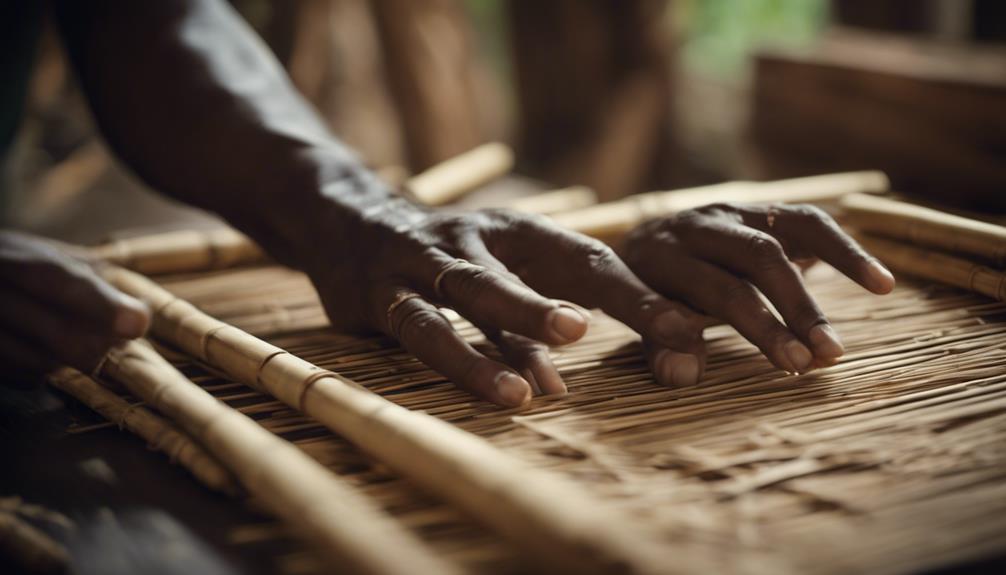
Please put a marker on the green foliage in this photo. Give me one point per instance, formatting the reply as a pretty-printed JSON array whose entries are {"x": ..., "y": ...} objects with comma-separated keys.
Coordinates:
[{"x": 719, "y": 35}]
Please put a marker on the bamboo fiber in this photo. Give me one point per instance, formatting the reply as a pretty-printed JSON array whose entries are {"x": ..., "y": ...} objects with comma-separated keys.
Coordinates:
[
  {"x": 197, "y": 250},
  {"x": 159, "y": 433},
  {"x": 890, "y": 462},
  {"x": 937, "y": 266},
  {"x": 927, "y": 227},
  {"x": 554, "y": 522},
  {"x": 612, "y": 219},
  {"x": 354, "y": 533}
]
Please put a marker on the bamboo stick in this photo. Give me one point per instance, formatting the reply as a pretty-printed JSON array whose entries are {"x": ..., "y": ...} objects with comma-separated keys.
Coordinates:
[
  {"x": 344, "y": 525},
  {"x": 25, "y": 547},
  {"x": 927, "y": 227},
  {"x": 159, "y": 433},
  {"x": 612, "y": 219},
  {"x": 550, "y": 519},
  {"x": 938, "y": 266},
  {"x": 451, "y": 179},
  {"x": 197, "y": 250},
  {"x": 555, "y": 201}
]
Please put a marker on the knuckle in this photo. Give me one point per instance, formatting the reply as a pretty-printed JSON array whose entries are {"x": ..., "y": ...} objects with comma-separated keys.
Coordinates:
[
  {"x": 471, "y": 282},
  {"x": 415, "y": 321},
  {"x": 598, "y": 257},
  {"x": 736, "y": 295},
  {"x": 764, "y": 248}
]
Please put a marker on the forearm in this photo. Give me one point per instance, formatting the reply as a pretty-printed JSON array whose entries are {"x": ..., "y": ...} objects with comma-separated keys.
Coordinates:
[{"x": 192, "y": 100}]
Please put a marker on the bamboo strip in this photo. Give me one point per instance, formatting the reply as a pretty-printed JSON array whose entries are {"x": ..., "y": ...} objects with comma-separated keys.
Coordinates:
[
  {"x": 551, "y": 519},
  {"x": 344, "y": 525},
  {"x": 612, "y": 219},
  {"x": 555, "y": 201},
  {"x": 24, "y": 547},
  {"x": 159, "y": 433},
  {"x": 926, "y": 227},
  {"x": 196, "y": 250},
  {"x": 451, "y": 179},
  {"x": 939, "y": 267}
]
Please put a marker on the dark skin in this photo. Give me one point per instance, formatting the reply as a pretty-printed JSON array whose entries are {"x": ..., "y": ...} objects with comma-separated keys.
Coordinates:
[{"x": 193, "y": 102}]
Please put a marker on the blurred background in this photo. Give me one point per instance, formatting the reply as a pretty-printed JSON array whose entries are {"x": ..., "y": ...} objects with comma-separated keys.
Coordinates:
[{"x": 623, "y": 96}]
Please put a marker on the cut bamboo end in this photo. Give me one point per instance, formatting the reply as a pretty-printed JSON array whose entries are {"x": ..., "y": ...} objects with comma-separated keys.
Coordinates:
[
  {"x": 938, "y": 266},
  {"x": 927, "y": 227},
  {"x": 461, "y": 174},
  {"x": 347, "y": 527},
  {"x": 553, "y": 520},
  {"x": 159, "y": 433},
  {"x": 613, "y": 219}
]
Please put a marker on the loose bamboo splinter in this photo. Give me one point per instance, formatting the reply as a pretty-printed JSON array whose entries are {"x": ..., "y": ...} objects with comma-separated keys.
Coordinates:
[
  {"x": 927, "y": 227},
  {"x": 159, "y": 433},
  {"x": 551, "y": 519},
  {"x": 197, "y": 250},
  {"x": 938, "y": 266},
  {"x": 291, "y": 484},
  {"x": 612, "y": 219}
]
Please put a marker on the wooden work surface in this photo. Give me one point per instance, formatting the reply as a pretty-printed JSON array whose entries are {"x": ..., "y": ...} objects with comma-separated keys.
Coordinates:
[{"x": 893, "y": 461}]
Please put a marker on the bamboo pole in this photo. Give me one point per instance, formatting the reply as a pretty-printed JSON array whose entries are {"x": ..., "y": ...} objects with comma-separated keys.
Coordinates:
[
  {"x": 159, "y": 433},
  {"x": 550, "y": 519},
  {"x": 926, "y": 227},
  {"x": 451, "y": 179},
  {"x": 938, "y": 266},
  {"x": 555, "y": 201},
  {"x": 24, "y": 547},
  {"x": 192, "y": 250},
  {"x": 198, "y": 250},
  {"x": 612, "y": 219},
  {"x": 344, "y": 525}
]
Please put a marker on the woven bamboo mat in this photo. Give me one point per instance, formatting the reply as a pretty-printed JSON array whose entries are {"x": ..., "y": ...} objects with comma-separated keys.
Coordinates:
[{"x": 892, "y": 461}]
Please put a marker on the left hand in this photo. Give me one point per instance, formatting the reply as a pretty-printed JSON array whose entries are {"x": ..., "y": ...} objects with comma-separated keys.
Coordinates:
[{"x": 718, "y": 257}]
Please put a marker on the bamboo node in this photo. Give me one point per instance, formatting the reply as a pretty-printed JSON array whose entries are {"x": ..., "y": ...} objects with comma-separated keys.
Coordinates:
[
  {"x": 307, "y": 383},
  {"x": 261, "y": 366}
]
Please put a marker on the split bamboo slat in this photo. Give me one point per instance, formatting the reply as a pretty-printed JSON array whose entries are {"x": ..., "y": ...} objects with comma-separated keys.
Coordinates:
[
  {"x": 927, "y": 227},
  {"x": 554, "y": 522},
  {"x": 159, "y": 433},
  {"x": 195, "y": 250},
  {"x": 612, "y": 219},
  {"x": 189, "y": 250},
  {"x": 938, "y": 266},
  {"x": 352, "y": 531},
  {"x": 891, "y": 461}
]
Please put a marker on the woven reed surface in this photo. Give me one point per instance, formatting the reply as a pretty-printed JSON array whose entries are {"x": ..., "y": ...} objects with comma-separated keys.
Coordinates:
[{"x": 891, "y": 462}]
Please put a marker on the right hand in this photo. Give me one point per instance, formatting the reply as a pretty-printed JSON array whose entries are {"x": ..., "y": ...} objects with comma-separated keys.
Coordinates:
[{"x": 56, "y": 310}]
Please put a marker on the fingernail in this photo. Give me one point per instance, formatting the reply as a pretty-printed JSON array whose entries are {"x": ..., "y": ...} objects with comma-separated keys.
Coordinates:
[
  {"x": 547, "y": 377},
  {"x": 131, "y": 318},
  {"x": 567, "y": 323},
  {"x": 881, "y": 278},
  {"x": 825, "y": 341},
  {"x": 513, "y": 389},
  {"x": 799, "y": 356},
  {"x": 677, "y": 369}
]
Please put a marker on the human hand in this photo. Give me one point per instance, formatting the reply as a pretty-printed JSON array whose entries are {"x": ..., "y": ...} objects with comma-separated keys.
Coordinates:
[
  {"x": 55, "y": 310},
  {"x": 511, "y": 275},
  {"x": 716, "y": 256}
]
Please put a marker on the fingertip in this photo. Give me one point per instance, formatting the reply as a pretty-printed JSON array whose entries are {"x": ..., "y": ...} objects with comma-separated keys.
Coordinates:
[
  {"x": 825, "y": 341},
  {"x": 673, "y": 327},
  {"x": 512, "y": 389},
  {"x": 799, "y": 357},
  {"x": 880, "y": 280},
  {"x": 547, "y": 376},
  {"x": 675, "y": 369},
  {"x": 132, "y": 317},
  {"x": 566, "y": 323}
]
